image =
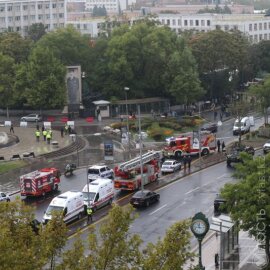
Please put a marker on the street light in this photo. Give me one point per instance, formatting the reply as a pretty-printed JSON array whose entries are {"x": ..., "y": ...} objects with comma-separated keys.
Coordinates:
[
  {"x": 126, "y": 90},
  {"x": 140, "y": 140},
  {"x": 74, "y": 139}
]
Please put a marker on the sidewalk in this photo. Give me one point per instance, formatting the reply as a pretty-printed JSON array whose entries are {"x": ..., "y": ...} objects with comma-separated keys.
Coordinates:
[
  {"x": 246, "y": 256},
  {"x": 28, "y": 142}
]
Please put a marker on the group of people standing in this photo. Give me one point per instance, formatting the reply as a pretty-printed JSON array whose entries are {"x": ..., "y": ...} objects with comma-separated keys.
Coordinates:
[
  {"x": 46, "y": 133},
  {"x": 222, "y": 146}
]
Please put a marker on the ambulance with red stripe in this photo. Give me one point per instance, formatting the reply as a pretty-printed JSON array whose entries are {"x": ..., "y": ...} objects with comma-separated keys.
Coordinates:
[
  {"x": 39, "y": 182},
  {"x": 98, "y": 193}
]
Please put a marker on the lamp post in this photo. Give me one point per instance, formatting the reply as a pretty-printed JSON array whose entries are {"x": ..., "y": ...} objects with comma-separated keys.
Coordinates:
[
  {"x": 126, "y": 90},
  {"x": 219, "y": 221},
  {"x": 88, "y": 189},
  {"x": 140, "y": 140},
  {"x": 74, "y": 139}
]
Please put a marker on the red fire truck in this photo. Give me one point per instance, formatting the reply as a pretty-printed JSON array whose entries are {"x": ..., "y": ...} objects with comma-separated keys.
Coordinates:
[
  {"x": 39, "y": 182},
  {"x": 128, "y": 174},
  {"x": 190, "y": 145}
]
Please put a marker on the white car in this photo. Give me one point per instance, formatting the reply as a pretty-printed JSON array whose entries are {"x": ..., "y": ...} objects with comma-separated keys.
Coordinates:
[
  {"x": 31, "y": 118},
  {"x": 170, "y": 165},
  {"x": 97, "y": 171},
  {"x": 266, "y": 147},
  {"x": 4, "y": 197}
]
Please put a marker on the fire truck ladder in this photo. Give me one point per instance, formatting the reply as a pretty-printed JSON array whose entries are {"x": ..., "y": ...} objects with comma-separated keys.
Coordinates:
[{"x": 133, "y": 163}]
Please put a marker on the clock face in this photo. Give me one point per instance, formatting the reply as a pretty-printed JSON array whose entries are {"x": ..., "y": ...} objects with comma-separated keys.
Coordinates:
[{"x": 199, "y": 226}]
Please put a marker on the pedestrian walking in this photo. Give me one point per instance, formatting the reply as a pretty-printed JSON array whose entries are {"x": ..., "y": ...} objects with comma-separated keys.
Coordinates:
[
  {"x": 89, "y": 212},
  {"x": 37, "y": 133},
  {"x": 66, "y": 129},
  {"x": 221, "y": 116},
  {"x": 69, "y": 130},
  {"x": 62, "y": 132},
  {"x": 185, "y": 162},
  {"x": 218, "y": 146},
  {"x": 44, "y": 133},
  {"x": 223, "y": 146},
  {"x": 189, "y": 159},
  {"x": 48, "y": 137},
  {"x": 216, "y": 260},
  {"x": 215, "y": 115},
  {"x": 11, "y": 129}
]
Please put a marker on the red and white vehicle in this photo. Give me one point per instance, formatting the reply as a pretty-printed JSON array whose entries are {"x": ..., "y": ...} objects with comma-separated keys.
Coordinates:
[
  {"x": 128, "y": 174},
  {"x": 39, "y": 182},
  {"x": 179, "y": 146}
]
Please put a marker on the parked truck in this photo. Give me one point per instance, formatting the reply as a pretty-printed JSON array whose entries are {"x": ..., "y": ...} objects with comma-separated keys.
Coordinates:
[{"x": 40, "y": 182}]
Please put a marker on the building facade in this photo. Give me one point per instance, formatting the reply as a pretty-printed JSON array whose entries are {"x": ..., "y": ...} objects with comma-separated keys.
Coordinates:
[
  {"x": 18, "y": 15},
  {"x": 255, "y": 27}
]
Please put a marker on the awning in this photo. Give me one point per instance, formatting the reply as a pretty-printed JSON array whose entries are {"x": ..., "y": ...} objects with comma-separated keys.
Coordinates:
[{"x": 223, "y": 223}]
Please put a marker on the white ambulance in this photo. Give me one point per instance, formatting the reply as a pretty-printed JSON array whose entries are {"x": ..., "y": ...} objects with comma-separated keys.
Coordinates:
[
  {"x": 98, "y": 193},
  {"x": 70, "y": 203}
]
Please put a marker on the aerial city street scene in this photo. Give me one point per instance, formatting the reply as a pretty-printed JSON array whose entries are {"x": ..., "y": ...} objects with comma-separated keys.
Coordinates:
[{"x": 134, "y": 135}]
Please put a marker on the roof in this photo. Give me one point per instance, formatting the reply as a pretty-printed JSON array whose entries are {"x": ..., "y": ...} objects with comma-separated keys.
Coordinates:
[
  {"x": 101, "y": 102},
  {"x": 97, "y": 166},
  {"x": 140, "y": 101},
  {"x": 95, "y": 185}
]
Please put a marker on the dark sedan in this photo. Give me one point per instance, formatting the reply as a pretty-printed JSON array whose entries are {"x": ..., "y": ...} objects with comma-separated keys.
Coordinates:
[
  {"x": 144, "y": 198},
  {"x": 211, "y": 127}
]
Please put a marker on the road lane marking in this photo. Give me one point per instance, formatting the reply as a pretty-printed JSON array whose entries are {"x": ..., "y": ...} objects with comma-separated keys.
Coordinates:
[
  {"x": 158, "y": 209},
  {"x": 222, "y": 176},
  {"x": 192, "y": 190}
]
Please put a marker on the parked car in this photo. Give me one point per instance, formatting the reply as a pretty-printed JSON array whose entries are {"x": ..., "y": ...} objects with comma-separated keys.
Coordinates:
[
  {"x": 170, "y": 165},
  {"x": 211, "y": 127},
  {"x": 219, "y": 206},
  {"x": 144, "y": 198},
  {"x": 31, "y": 118},
  {"x": 234, "y": 157},
  {"x": 266, "y": 147},
  {"x": 4, "y": 197}
]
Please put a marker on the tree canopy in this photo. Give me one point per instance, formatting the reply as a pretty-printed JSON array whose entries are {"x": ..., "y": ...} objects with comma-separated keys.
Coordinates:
[{"x": 248, "y": 200}]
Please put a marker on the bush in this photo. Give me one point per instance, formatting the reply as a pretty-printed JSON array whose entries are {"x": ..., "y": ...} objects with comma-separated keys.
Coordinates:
[
  {"x": 170, "y": 125},
  {"x": 248, "y": 136},
  {"x": 118, "y": 125},
  {"x": 158, "y": 133}
]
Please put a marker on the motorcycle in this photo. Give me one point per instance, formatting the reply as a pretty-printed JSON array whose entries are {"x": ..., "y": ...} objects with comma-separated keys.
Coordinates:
[{"x": 69, "y": 169}]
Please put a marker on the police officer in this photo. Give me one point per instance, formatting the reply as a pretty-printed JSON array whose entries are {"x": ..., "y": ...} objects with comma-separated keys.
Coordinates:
[
  {"x": 48, "y": 137},
  {"x": 37, "y": 135},
  {"x": 44, "y": 133},
  {"x": 66, "y": 129},
  {"x": 89, "y": 212}
]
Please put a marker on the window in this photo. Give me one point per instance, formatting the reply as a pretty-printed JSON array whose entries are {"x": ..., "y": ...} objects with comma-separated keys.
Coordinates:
[
  {"x": 61, "y": 15},
  {"x": 85, "y": 26},
  {"x": 265, "y": 26},
  {"x": 197, "y": 22},
  {"x": 33, "y": 7},
  {"x": 226, "y": 27},
  {"x": 40, "y": 17},
  {"x": 62, "y": 5},
  {"x": 191, "y": 22},
  {"x": 163, "y": 21},
  {"x": 255, "y": 38},
  {"x": 48, "y": 16},
  {"x": 168, "y": 22},
  {"x": 9, "y": 8},
  {"x": 251, "y": 39},
  {"x": 173, "y": 21},
  {"x": 185, "y": 23},
  {"x": 47, "y": 26},
  {"x": 2, "y": 8},
  {"x": 97, "y": 197},
  {"x": 265, "y": 36},
  {"x": 218, "y": 27},
  {"x": 17, "y": 8},
  {"x": 78, "y": 26},
  {"x": 235, "y": 27},
  {"x": 17, "y": 18},
  {"x": 33, "y": 17},
  {"x": 208, "y": 23},
  {"x": 255, "y": 26},
  {"x": 47, "y": 6},
  {"x": 55, "y": 16},
  {"x": 10, "y": 19},
  {"x": 18, "y": 28},
  {"x": 250, "y": 27},
  {"x": 179, "y": 22},
  {"x": 54, "y": 5},
  {"x": 25, "y": 18},
  {"x": 25, "y": 7},
  {"x": 202, "y": 23},
  {"x": 260, "y": 37},
  {"x": 260, "y": 26},
  {"x": 61, "y": 25},
  {"x": 2, "y": 19}
]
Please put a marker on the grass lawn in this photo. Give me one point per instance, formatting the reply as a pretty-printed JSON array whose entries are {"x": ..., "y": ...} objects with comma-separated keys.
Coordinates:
[{"x": 11, "y": 165}]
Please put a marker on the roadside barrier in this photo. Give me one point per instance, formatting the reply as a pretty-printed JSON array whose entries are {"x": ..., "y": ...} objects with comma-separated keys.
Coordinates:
[{"x": 15, "y": 157}]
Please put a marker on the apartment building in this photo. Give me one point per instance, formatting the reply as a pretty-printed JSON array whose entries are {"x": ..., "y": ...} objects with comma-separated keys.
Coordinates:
[
  {"x": 18, "y": 15},
  {"x": 255, "y": 26}
]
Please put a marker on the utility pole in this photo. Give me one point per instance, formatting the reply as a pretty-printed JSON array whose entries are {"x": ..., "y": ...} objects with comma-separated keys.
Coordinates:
[
  {"x": 199, "y": 133},
  {"x": 126, "y": 90},
  {"x": 140, "y": 140}
]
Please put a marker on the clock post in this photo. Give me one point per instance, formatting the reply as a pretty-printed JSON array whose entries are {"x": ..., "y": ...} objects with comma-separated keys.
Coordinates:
[{"x": 200, "y": 227}]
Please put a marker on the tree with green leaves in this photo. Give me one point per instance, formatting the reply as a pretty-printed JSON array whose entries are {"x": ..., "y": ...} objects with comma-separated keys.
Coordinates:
[
  {"x": 44, "y": 80},
  {"x": 7, "y": 79},
  {"x": 15, "y": 46},
  {"x": 262, "y": 93},
  {"x": 21, "y": 245},
  {"x": 114, "y": 248},
  {"x": 36, "y": 31},
  {"x": 248, "y": 200}
]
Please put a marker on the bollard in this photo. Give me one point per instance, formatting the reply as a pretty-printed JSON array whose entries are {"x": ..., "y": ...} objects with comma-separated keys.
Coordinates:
[{"x": 216, "y": 260}]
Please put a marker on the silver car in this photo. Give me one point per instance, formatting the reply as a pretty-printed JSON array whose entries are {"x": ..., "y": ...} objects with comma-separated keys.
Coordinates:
[
  {"x": 266, "y": 147},
  {"x": 31, "y": 118},
  {"x": 170, "y": 165},
  {"x": 4, "y": 197}
]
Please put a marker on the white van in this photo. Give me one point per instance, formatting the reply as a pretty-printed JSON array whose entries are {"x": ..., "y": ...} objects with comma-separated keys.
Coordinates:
[
  {"x": 98, "y": 193},
  {"x": 70, "y": 203},
  {"x": 242, "y": 126},
  {"x": 97, "y": 171}
]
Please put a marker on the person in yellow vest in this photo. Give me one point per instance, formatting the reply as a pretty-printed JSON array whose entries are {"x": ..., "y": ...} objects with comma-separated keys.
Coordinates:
[
  {"x": 37, "y": 133},
  {"x": 66, "y": 129},
  {"x": 50, "y": 132},
  {"x": 48, "y": 137},
  {"x": 44, "y": 133}
]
